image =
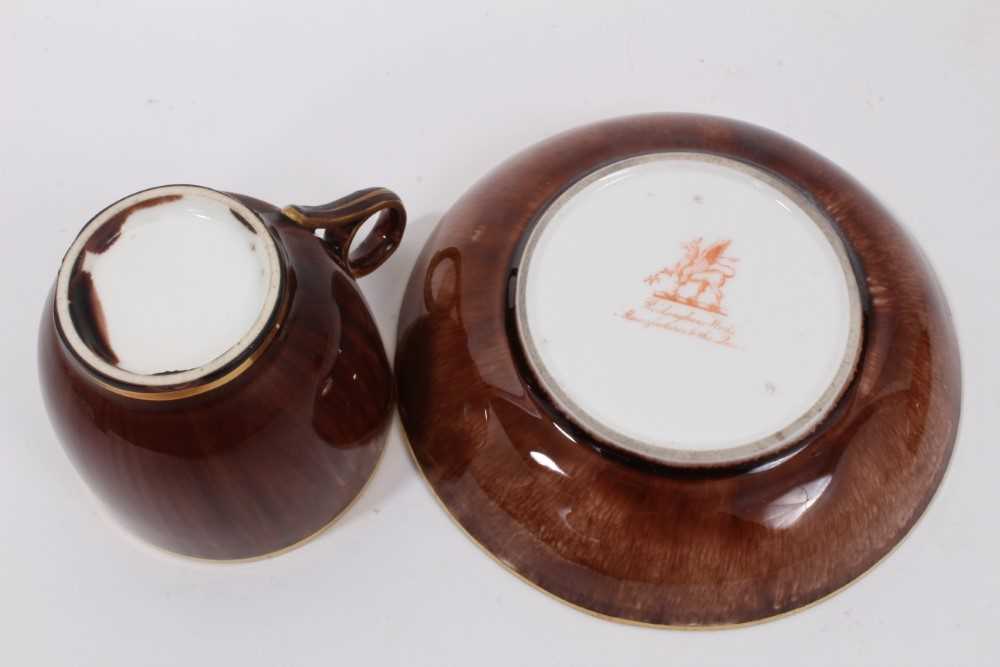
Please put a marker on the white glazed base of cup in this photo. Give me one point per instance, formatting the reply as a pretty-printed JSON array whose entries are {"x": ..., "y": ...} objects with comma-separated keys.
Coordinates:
[
  {"x": 186, "y": 284},
  {"x": 690, "y": 309}
]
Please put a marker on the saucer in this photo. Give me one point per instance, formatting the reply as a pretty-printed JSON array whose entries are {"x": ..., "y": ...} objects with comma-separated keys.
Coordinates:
[{"x": 678, "y": 370}]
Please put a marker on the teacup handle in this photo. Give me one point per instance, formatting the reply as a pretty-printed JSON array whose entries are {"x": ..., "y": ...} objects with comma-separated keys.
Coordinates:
[{"x": 340, "y": 220}]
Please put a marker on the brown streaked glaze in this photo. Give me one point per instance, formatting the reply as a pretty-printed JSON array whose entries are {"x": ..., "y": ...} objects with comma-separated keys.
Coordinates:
[
  {"x": 88, "y": 315},
  {"x": 109, "y": 232},
  {"x": 243, "y": 221},
  {"x": 639, "y": 541},
  {"x": 265, "y": 459},
  {"x": 85, "y": 305},
  {"x": 340, "y": 221}
]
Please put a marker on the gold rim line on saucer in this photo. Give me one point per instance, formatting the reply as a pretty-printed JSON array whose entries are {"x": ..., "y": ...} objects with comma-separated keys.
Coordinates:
[{"x": 666, "y": 626}]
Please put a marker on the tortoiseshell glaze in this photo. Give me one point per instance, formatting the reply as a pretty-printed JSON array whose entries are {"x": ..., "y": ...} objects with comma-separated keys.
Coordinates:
[
  {"x": 640, "y": 541},
  {"x": 266, "y": 459}
]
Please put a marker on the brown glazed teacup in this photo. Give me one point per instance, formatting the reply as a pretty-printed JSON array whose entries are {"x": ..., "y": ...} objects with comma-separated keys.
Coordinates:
[{"x": 212, "y": 368}]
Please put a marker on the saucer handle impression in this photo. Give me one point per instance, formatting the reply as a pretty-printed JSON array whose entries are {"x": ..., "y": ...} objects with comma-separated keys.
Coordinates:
[{"x": 340, "y": 221}]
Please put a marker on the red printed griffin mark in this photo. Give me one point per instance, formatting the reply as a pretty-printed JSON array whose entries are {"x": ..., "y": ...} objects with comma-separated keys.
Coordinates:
[
  {"x": 694, "y": 284},
  {"x": 698, "y": 278}
]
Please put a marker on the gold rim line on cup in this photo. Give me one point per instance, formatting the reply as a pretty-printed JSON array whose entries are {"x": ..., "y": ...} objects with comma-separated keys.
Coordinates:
[
  {"x": 280, "y": 551},
  {"x": 282, "y": 308},
  {"x": 167, "y": 382},
  {"x": 195, "y": 390}
]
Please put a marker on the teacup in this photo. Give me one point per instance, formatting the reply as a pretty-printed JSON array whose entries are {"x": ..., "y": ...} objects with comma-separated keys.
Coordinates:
[{"x": 212, "y": 368}]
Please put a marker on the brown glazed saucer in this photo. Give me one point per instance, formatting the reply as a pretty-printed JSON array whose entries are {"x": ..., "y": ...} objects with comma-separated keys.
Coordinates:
[{"x": 678, "y": 370}]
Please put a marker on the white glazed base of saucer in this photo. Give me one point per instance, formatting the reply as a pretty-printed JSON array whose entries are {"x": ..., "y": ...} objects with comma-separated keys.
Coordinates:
[
  {"x": 180, "y": 280},
  {"x": 689, "y": 309}
]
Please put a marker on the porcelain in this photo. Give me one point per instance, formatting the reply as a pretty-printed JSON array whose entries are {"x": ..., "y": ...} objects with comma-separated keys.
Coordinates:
[
  {"x": 678, "y": 370},
  {"x": 715, "y": 306},
  {"x": 167, "y": 285},
  {"x": 212, "y": 369}
]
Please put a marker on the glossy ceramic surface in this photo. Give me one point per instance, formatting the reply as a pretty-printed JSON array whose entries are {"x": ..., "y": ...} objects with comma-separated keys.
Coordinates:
[
  {"x": 641, "y": 541},
  {"x": 168, "y": 285},
  {"x": 728, "y": 331},
  {"x": 269, "y": 447}
]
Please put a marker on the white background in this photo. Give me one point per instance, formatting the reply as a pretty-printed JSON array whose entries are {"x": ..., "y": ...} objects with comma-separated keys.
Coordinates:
[{"x": 305, "y": 102}]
